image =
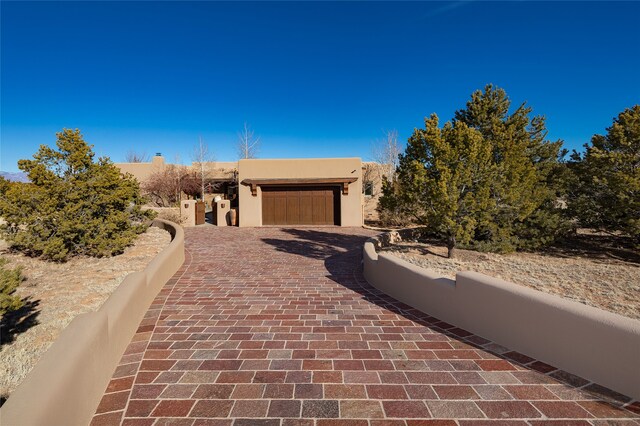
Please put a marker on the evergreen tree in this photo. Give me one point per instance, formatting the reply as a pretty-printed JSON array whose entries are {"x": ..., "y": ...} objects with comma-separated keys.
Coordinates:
[
  {"x": 445, "y": 175},
  {"x": 529, "y": 176},
  {"x": 605, "y": 194},
  {"x": 488, "y": 180},
  {"x": 72, "y": 205}
]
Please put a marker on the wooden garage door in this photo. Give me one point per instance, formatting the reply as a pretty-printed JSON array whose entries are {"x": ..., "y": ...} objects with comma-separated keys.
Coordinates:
[{"x": 300, "y": 206}]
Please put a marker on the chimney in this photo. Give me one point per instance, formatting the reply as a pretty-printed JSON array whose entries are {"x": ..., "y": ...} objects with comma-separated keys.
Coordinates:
[{"x": 158, "y": 159}]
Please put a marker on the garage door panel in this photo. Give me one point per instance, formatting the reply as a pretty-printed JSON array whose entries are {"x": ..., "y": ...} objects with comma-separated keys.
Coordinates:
[
  {"x": 268, "y": 209},
  {"x": 293, "y": 207},
  {"x": 318, "y": 208},
  {"x": 299, "y": 206},
  {"x": 329, "y": 208},
  {"x": 306, "y": 207},
  {"x": 280, "y": 215}
]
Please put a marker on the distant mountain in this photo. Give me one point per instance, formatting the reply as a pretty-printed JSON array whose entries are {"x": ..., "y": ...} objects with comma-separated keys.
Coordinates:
[{"x": 15, "y": 177}]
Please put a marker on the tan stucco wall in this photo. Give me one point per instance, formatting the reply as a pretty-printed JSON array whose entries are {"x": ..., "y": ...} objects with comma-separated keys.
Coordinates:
[
  {"x": 66, "y": 385},
  {"x": 188, "y": 212},
  {"x": 250, "y": 207},
  {"x": 600, "y": 346},
  {"x": 142, "y": 171},
  {"x": 212, "y": 169},
  {"x": 222, "y": 212}
]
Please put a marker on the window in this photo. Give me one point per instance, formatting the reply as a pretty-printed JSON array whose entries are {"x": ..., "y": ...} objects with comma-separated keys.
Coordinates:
[{"x": 368, "y": 189}]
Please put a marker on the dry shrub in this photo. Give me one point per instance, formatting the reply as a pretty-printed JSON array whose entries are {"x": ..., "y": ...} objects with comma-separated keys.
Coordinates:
[{"x": 170, "y": 214}]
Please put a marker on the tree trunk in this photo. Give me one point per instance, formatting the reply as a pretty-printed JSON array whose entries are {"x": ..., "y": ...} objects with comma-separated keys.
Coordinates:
[
  {"x": 202, "y": 180},
  {"x": 451, "y": 246}
]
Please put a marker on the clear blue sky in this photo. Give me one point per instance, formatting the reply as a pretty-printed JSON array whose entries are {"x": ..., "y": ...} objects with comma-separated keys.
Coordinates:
[{"x": 312, "y": 79}]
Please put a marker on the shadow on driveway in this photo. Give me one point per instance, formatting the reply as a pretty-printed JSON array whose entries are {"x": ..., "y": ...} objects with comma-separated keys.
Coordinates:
[{"x": 342, "y": 256}]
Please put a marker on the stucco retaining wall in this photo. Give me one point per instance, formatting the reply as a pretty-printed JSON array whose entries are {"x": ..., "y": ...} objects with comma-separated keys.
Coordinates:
[
  {"x": 66, "y": 385},
  {"x": 598, "y": 345}
]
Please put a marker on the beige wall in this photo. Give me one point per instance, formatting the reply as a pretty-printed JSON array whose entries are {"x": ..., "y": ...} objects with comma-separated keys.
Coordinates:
[
  {"x": 212, "y": 169},
  {"x": 600, "y": 346},
  {"x": 222, "y": 213},
  {"x": 188, "y": 212},
  {"x": 66, "y": 385},
  {"x": 142, "y": 171},
  {"x": 250, "y": 207}
]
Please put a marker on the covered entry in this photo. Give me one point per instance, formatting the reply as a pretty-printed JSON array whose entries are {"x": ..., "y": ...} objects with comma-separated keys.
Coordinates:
[{"x": 301, "y": 205}]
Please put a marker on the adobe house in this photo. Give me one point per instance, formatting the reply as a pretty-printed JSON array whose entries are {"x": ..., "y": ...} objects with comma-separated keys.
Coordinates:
[{"x": 287, "y": 192}]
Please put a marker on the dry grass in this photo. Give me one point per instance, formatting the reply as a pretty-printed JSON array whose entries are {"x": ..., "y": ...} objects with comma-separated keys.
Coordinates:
[
  {"x": 605, "y": 279},
  {"x": 56, "y": 293}
]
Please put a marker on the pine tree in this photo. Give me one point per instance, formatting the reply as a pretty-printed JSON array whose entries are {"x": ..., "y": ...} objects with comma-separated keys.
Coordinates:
[
  {"x": 72, "y": 205},
  {"x": 488, "y": 180},
  {"x": 444, "y": 176},
  {"x": 529, "y": 176},
  {"x": 606, "y": 190}
]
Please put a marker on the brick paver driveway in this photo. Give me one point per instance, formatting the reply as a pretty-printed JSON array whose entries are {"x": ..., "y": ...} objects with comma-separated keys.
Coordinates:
[{"x": 271, "y": 326}]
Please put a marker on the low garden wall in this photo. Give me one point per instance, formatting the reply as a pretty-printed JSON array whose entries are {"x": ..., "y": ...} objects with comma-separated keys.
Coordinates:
[
  {"x": 66, "y": 385},
  {"x": 598, "y": 345}
]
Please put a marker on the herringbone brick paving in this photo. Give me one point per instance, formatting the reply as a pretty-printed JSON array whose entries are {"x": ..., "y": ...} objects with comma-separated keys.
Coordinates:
[{"x": 269, "y": 326}]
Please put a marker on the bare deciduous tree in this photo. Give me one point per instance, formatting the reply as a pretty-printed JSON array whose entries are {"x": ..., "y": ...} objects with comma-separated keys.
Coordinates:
[
  {"x": 200, "y": 157},
  {"x": 136, "y": 157},
  {"x": 248, "y": 144},
  {"x": 385, "y": 153},
  {"x": 165, "y": 186}
]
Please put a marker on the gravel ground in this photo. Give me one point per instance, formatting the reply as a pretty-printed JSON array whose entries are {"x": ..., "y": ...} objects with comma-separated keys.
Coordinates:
[
  {"x": 612, "y": 285},
  {"x": 60, "y": 292}
]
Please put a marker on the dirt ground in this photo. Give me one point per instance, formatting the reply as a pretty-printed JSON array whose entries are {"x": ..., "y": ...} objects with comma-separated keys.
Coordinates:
[
  {"x": 56, "y": 293},
  {"x": 593, "y": 270}
]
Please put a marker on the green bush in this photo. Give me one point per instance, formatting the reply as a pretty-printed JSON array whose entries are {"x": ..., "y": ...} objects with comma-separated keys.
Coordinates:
[
  {"x": 9, "y": 281},
  {"x": 72, "y": 205}
]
